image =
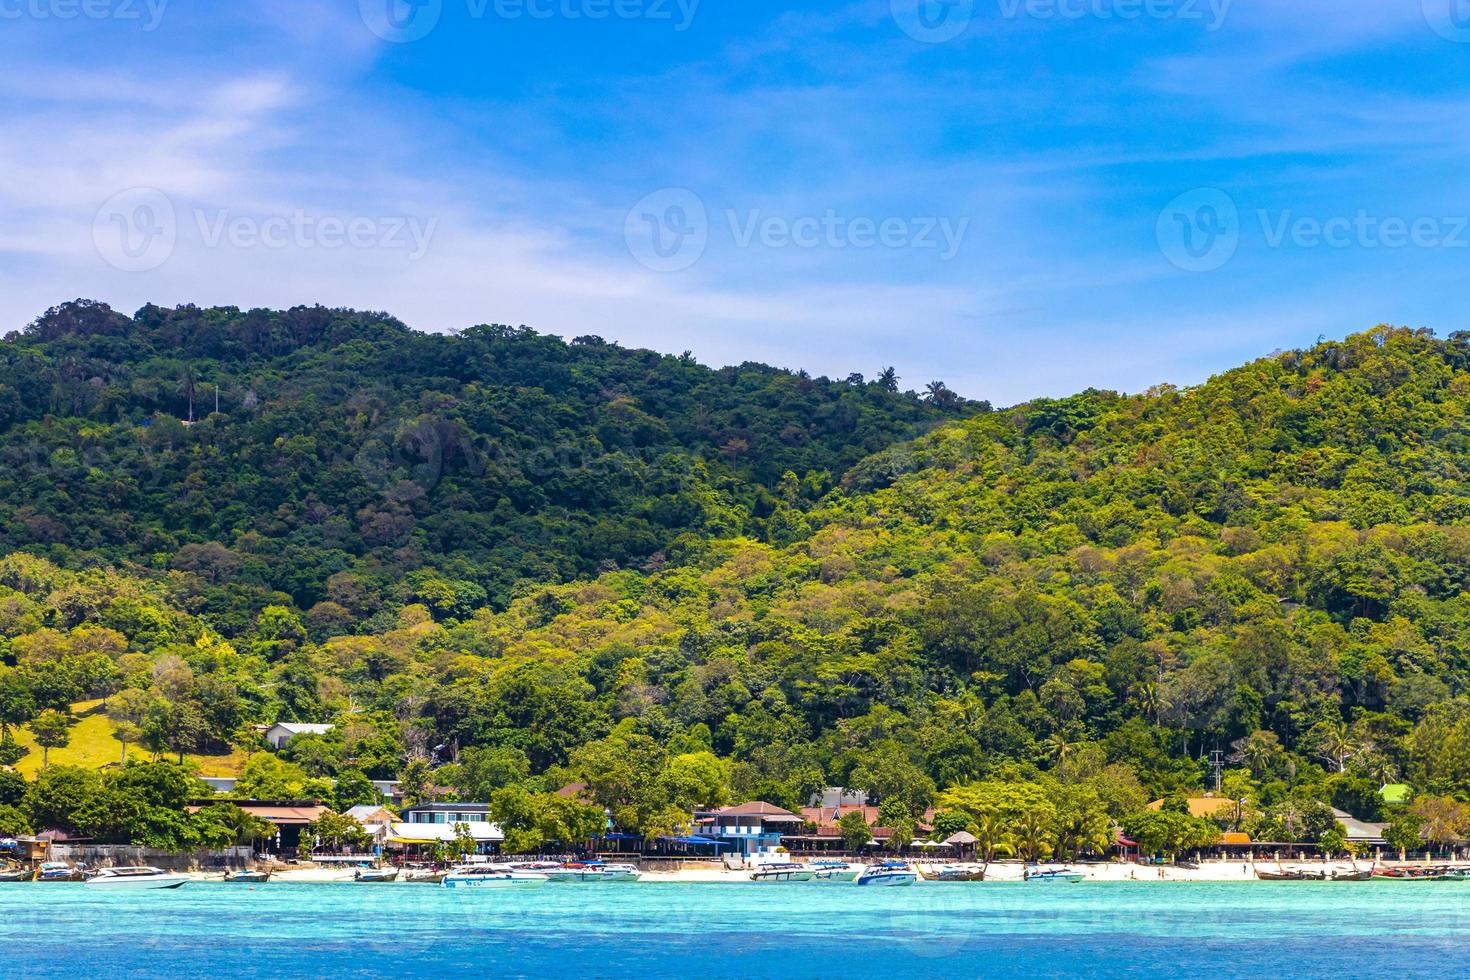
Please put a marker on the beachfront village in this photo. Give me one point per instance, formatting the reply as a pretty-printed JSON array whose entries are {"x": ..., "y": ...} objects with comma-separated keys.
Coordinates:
[{"x": 70, "y": 825}]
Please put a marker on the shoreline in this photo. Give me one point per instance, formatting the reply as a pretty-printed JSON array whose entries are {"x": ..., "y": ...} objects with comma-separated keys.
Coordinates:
[{"x": 999, "y": 872}]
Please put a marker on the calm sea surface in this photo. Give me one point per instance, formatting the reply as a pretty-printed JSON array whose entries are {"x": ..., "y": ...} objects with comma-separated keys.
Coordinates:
[{"x": 792, "y": 930}]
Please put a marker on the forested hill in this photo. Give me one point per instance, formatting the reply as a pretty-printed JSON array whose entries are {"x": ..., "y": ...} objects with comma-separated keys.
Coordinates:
[
  {"x": 1071, "y": 600},
  {"x": 345, "y": 442}
]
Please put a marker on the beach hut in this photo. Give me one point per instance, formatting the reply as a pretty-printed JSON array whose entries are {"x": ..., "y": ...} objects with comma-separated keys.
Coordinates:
[{"x": 963, "y": 843}]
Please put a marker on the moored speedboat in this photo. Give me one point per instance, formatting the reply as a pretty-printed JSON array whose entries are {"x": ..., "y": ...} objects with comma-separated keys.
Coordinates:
[
  {"x": 833, "y": 871},
  {"x": 375, "y": 876},
  {"x": 591, "y": 872},
  {"x": 141, "y": 877},
  {"x": 492, "y": 876},
  {"x": 785, "y": 871},
  {"x": 16, "y": 874},
  {"x": 1061, "y": 875},
  {"x": 889, "y": 874},
  {"x": 248, "y": 877}
]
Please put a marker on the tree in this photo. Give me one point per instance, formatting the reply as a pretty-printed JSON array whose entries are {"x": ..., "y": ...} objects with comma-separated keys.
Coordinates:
[
  {"x": 1334, "y": 744},
  {"x": 413, "y": 781},
  {"x": 127, "y": 710},
  {"x": 266, "y": 777},
  {"x": 17, "y": 703},
  {"x": 1405, "y": 832},
  {"x": 1444, "y": 820},
  {"x": 355, "y": 788},
  {"x": 1333, "y": 841},
  {"x": 1259, "y": 751},
  {"x": 52, "y": 730},
  {"x": 992, "y": 839},
  {"x": 337, "y": 830},
  {"x": 854, "y": 829}
]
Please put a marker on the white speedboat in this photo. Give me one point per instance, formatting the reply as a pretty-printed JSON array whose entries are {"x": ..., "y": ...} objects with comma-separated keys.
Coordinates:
[
  {"x": 138, "y": 877},
  {"x": 1064, "y": 876},
  {"x": 248, "y": 877},
  {"x": 782, "y": 872},
  {"x": 375, "y": 876},
  {"x": 834, "y": 871},
  {"x": 889, "y": 874},
  {"x": 492, "y": 876},
  {"x": 592, "y": 872}
]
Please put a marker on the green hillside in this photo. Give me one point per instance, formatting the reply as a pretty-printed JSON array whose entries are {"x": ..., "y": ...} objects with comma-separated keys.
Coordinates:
[{"x": 1082, "y": 596}]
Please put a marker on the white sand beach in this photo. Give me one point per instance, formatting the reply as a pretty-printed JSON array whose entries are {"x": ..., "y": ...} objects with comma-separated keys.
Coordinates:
[{"x": 1000, "y": 871}]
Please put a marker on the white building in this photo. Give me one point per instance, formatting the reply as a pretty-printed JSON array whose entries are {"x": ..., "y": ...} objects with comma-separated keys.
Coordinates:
[{"x": 277, "y": 735}]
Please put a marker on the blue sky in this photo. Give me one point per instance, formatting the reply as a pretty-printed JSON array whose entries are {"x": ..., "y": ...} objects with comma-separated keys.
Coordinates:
[{"x": 1018, "y": 197}]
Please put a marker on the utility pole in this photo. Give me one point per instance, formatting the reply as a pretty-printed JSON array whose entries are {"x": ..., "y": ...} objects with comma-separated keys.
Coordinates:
[{"x": 1217, "y": 763}]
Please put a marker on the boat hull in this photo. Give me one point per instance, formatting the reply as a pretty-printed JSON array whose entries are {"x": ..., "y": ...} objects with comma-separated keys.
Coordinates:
[
  {"x": 248, "y": 877},
  {"x": 782, "y": 876},
  {"x": 161, "y": 883},
  {"x": 835, "y": 876},
  {"x": 590, "y": 877},
  {"x": 899, "y": 879},
  {"x": 489, "y": 882}
]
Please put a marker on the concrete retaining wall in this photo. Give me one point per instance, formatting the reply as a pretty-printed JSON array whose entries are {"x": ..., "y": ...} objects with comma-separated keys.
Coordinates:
[{"x": 118, "y": 855}]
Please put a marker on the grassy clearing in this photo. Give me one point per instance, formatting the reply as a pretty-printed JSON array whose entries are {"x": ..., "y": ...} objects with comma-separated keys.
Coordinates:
[{"x": 92, "y": 747}]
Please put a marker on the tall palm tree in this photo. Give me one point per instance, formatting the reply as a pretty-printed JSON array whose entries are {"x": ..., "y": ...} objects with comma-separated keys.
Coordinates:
[
  {"x": 1337, "y": 743},
  {"x": 992, "y": 838},
  {"x": 1033, "y": 834},
  {"x": 1150, "y": 701},
  {"x": 1057, "y": 748}
]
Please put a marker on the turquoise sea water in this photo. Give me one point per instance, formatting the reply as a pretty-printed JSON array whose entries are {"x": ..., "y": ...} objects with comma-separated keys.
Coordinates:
[{"x": 794, "y": 930}]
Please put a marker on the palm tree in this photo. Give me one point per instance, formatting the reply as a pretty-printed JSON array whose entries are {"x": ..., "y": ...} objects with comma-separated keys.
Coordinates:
[
  {"x": 1335, "y": 743},
  {"x": 1258, "y": 751},
  {"x": 992, "y": 838},
  {"x": 1381, "y": 769},
  {"x": 1033, "y": 833},
  {"x": 1150, "y": 702},
  {"x": 1057, "y": 747}
]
